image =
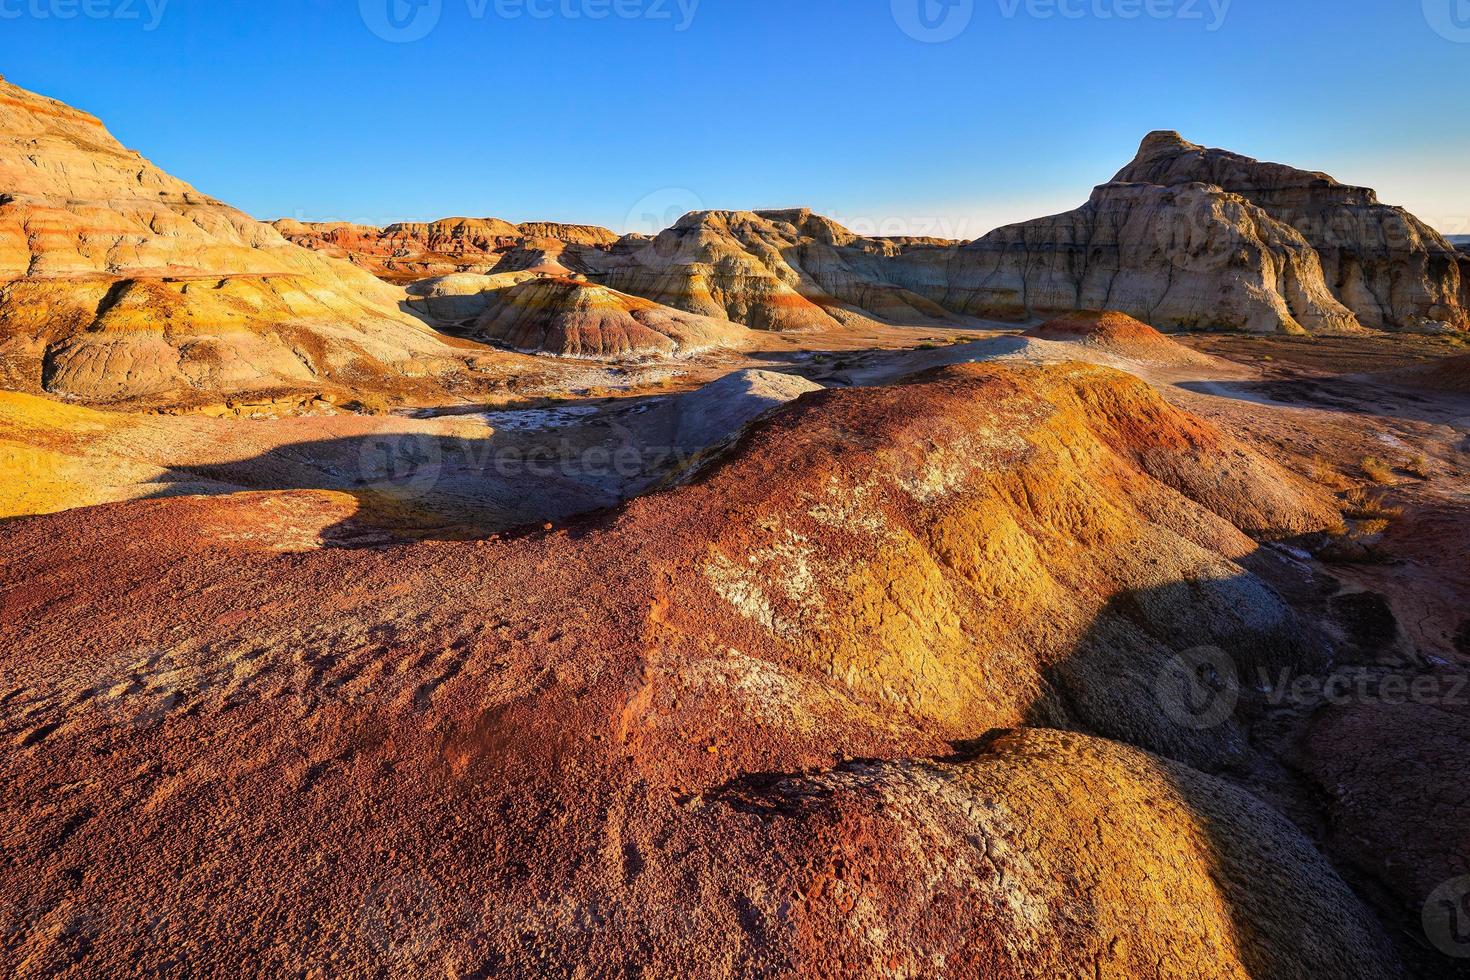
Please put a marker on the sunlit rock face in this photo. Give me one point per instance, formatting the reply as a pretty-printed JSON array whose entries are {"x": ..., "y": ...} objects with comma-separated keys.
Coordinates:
[
  {"x": 409, "y": 251},
  {"x": 567, "y": 317},
  {"x": 1389, "y": 268},
  {"x": 1195, "y": 238},
  {"x": 120, "y": 283}
]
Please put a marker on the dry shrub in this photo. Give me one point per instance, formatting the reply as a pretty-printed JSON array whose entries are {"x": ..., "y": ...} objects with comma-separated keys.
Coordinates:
[
  {"x": 1377, "y": 470},
  {"x": 1364, "y": 505},
  {"x": 1418, "y": 466},
  {"x": 1327, "y": 475}
]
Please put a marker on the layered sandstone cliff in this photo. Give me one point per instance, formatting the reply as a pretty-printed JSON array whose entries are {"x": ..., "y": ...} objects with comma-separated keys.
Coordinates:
[
  {"x": 120, "y": 283},
  {"x": 770, "y": 270},
  {"x": 1389, "y": 268},
  {"x": 409, "y": 251},
  {"x": 1195, "y": 238},
  {"x": 571, "y": 318},
  {"x": 1183, "y": 237}
]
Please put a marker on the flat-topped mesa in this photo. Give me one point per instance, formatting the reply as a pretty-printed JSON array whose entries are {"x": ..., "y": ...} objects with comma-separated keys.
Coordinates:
[
  {"x": 120, "y": 283},
  {"x": 1391, "y": 269},
  {"x": 1189, "y": 237}
]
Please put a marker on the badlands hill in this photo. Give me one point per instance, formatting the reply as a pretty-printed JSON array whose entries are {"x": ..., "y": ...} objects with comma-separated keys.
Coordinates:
[
  {"x": 770, "y": 270},
  {"x": 409, "y": 251},
  {"x": 122, "y": 284},
  {"x": 1189, "y": 237},
  {"x": 1115, "y": 333},
  {"x": 1183, "y": 237},
  {"x": 572, "y": 318},
  {"x": 813, "y": 738}
]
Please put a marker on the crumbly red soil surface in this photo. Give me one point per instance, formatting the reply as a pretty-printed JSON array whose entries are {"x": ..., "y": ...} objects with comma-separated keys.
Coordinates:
[{"x": 545, "y": 754}]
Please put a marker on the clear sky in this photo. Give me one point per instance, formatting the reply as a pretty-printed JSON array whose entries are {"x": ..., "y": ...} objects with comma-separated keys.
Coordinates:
[{"x": 621, "y": 112}]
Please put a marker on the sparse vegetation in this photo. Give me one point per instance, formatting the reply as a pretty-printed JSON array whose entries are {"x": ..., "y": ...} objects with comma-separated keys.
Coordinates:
[
  {"x": 1377, "y": 470},
  {"x": 1418, "y": 466},
  {"x": 1327, "y": 475},
  {"x": 1365, "y": 505}
]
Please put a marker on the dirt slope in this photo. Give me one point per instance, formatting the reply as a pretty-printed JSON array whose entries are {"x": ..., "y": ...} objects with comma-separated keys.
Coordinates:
[
  {"x": 554, "y": 751},
  {"x": 121, "y": 284}
]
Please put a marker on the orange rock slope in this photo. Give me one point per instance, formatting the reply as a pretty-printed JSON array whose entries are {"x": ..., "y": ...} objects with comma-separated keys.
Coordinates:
[
  {"x": 786, "y": 719},
  {"x": 409, "y": 251},
  {"x": 120, "y": 283}
]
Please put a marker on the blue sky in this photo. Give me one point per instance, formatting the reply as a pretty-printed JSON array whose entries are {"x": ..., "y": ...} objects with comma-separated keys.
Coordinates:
[{"x": 516, "y": 108}]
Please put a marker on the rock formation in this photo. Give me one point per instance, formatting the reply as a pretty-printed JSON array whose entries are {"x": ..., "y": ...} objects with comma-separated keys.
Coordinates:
[
  {"x": 770, "y": 270},
  {"x": 410, "y": 251},
  {"x": 886, "y": 575},
  {"x": 120, "y": 283},
  {"x": 1193, "y": 238},
  {"x": 1183, "y": 237},
  {"x": 1120, "y": 335},
  {"x": 1389, "y": 268},
  {"x": 572, "y": 318}
]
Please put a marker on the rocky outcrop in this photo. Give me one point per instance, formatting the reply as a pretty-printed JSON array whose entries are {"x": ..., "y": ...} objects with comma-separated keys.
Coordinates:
[
  {"x": 573, "y": 318},
  {"x": 1389, "y": 268},
  {"x": 747, "y": 726},
  {"x": 120, "y": 283},
  {"x": 770, "y": 270},
  {"x": 410, "y": 251},
  {"x": 1187, "y": 237}
]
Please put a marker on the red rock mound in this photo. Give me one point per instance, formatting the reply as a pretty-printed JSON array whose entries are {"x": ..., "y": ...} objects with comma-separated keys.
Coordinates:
[
  {"x": 555, "y": 754},
  {"x": 1118, "y": 334},
  {"x": 571, "y": 318}
]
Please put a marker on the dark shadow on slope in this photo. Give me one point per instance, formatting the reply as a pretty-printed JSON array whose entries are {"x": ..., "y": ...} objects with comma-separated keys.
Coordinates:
[
  {"x": 1199, "y": 673},
  {"x": 1348, "y": 395}
]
